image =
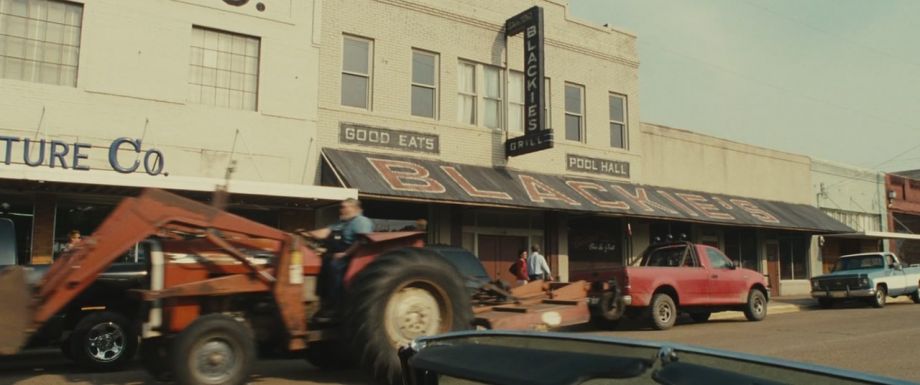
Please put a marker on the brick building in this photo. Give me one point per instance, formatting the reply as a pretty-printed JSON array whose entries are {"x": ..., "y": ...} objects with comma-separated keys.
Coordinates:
[{"x": 419, "y": 96}]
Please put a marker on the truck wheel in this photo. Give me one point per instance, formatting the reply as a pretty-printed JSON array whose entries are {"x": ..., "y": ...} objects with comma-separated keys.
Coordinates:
[
  {"x": 103, "y": 341},
  {"x": 154, "y": 354},
  {"x": 213, "y": 350},
  {"x": 608, "y": 312},
  {"x": 826, "y": 303},
  {"x": 881, "y": 297},
  {"x": 756, "y": 308},
  {"x": 402, "y": 295},
  {"x": 701, "y": 316},
  {"x": 915, "y": 296},
  {"x": 664, "y": 311}
]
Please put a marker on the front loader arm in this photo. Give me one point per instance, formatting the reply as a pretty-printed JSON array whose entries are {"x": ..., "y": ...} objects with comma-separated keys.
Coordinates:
[{"x": 154, "y": 212}]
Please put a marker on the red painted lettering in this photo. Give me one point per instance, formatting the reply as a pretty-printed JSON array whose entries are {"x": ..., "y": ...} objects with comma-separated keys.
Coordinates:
[
  {"x": 406, "y": 176},
  {"x": 641, "y": 198},
  {"x": 708, "y": 209},
  {"x": 540, "y": 192},
  {"x": 755, "y": 211},
  {"x": 468, "y": 187},
  {"x": 678, "y": 203},
  {"x": 583, "y": 189}
]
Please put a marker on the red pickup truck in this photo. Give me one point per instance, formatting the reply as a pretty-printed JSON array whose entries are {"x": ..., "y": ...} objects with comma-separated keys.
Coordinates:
[{"x": 681, "y": 277}]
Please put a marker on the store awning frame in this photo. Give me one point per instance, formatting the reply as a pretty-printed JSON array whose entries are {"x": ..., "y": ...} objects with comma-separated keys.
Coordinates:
[
  {"x": 876, "y": 235},
  {"x": 396, "y": 177},
  {"x": 173, "y": 182}
]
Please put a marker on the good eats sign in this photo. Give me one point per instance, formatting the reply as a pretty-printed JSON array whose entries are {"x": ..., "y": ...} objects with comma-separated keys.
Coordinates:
[{"x": 57, "y": 153}]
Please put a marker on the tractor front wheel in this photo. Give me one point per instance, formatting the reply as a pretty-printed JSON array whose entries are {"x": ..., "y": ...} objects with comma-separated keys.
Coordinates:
[
  {"x": 213, "y": 350},
  {"x": 402, "y": 295}
]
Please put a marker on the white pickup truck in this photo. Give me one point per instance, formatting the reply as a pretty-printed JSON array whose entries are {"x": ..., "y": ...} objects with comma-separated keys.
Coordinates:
[{"x": 871, "y": 276}]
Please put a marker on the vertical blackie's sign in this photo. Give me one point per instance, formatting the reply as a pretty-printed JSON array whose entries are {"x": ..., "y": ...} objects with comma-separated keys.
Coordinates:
[{"x": 536, "y": 136}]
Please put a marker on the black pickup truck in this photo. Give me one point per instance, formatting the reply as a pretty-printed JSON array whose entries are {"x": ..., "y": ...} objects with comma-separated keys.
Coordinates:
[{"x": 98, "y": 329}]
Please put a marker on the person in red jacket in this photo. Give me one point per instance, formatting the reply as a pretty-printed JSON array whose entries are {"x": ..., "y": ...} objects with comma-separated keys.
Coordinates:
[{"x": 519, "y": 268}]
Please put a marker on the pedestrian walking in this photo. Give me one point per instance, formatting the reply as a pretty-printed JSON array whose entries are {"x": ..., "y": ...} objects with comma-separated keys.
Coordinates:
[
  {"x": 537, "y": 266},
  {"x": 519, "y": 268}
]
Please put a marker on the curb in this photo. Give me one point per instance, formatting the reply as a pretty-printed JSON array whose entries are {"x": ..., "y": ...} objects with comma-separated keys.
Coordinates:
[{"x": 787, "y": 307}]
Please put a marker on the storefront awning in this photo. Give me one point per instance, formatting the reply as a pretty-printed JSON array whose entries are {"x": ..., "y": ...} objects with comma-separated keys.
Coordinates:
[
  {"x": 172, "y": 182},
  {"x": 877, "y": 235},
  {"x": 400, "y": 177}
]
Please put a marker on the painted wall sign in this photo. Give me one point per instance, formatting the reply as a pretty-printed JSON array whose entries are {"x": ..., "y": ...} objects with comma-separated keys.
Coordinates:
[
  {"x": 387, "y": 138},
  {"x": 597, "y": 166},
  {"x": 536, "y": 136},
  {"x": 388, "y": 175},
  {"x": 56, "y": 153}
]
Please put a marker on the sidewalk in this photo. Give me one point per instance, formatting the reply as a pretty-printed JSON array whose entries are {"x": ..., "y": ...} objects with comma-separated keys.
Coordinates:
[{"x": 788, "y": 304}]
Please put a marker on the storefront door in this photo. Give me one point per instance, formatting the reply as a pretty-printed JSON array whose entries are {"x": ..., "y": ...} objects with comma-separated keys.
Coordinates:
[
  {"x": 498, "y": 252},
  {"x": 771, "y": 249}
]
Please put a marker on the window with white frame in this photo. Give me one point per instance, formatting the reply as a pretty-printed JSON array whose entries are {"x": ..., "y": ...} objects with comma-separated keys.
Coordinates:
[
  {"x": 617, "y": 120},
  {"x": 574, "y": 112},
  {"x": 40, "y": 41},
  {"x": 492, "y": 97},
  {"x": 466, "y": 93},
  {"x": 516, "y": 102},
  {"x": 357, "y": 71},
  {"x": 224, "y": 69},
  {"x": 424, "y": 84}
]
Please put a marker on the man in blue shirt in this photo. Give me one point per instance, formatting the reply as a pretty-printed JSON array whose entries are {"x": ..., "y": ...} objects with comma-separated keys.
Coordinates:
[
  {"x": 537, "y": 266},
  {"x": 343, "y": 239}
]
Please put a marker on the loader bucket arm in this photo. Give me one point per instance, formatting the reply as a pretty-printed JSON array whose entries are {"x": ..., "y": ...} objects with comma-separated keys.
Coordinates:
[{"x": 154, "y": 212}]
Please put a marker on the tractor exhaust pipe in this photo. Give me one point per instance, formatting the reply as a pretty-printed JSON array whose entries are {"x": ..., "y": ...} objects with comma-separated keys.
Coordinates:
[{"x": 16, "y": 318}]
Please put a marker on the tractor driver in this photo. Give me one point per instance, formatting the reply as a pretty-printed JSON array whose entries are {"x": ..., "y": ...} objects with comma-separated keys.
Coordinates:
[{"x": 342, "y": 240}]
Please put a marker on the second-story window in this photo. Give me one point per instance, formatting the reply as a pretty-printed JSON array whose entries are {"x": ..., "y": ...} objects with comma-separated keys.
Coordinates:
[
  {"x": 516, "y": 102},
  {"x": 40, "y": 41},
  {"x": 492, "y": 97},
  {"x": 466, "y": 93},
  {"x": 357, "y": 58},
  {"x": 574, "y": 112},
  {"x": 224, "y": 69},
  {"x": 424, "y": 84},
  {"x": 617, "y": 121}
]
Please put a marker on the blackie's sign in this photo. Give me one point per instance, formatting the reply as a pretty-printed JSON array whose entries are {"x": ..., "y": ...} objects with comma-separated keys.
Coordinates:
[
  {"x": 536, "y": 135},
  {"x": 390, "y": 175},
  {"x": 597, "y": 166},
  {"x": 387, "y": 138}
]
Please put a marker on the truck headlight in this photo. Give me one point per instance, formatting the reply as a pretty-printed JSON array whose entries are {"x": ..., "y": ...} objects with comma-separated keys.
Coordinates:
[
  {"x": 864, "y": 281},
  {"x": 815, "y": 284}
]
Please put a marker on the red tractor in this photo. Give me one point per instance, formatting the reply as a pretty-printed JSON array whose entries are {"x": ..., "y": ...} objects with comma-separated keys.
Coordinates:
[{"x": 220, "y": 287}]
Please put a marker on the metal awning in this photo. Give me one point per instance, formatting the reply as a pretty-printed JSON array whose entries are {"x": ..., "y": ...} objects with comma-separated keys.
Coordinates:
[
  {"x": 876, "y": 235},
  {"x": 172, "y": 182},
  {"x": 405, "y": 178}
]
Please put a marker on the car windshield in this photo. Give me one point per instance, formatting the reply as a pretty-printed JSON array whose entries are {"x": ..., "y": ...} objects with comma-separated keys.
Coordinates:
[{"x": 860, "y": 262}]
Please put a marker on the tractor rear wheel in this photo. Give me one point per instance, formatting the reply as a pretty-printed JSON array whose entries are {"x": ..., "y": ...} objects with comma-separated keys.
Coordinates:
[{"x": 402, "y": 295}]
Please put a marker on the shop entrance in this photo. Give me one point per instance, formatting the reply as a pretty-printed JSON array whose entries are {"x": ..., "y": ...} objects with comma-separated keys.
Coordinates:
[
  {"x": 498, "y": 252},
  {"x": 771, "y": 249}
]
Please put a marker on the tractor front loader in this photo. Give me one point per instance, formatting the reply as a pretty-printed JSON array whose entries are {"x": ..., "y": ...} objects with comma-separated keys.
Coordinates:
[{"x": 220, "y": 287}]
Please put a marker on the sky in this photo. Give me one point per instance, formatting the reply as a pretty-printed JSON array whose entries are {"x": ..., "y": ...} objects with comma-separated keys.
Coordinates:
[{"x": 833, "y": 79}]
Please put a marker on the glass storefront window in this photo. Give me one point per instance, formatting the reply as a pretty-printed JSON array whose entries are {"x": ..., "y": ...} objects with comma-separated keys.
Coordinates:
[
  {"x": 793, "y": 258},
  {"x": 741, "y": 247},
  {"x": 595, "y": 243},
  {"x": 16, "y": 232}
]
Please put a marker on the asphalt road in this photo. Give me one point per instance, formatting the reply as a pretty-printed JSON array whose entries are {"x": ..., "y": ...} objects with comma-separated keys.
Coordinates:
[{"x": 880, "y": 341}]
